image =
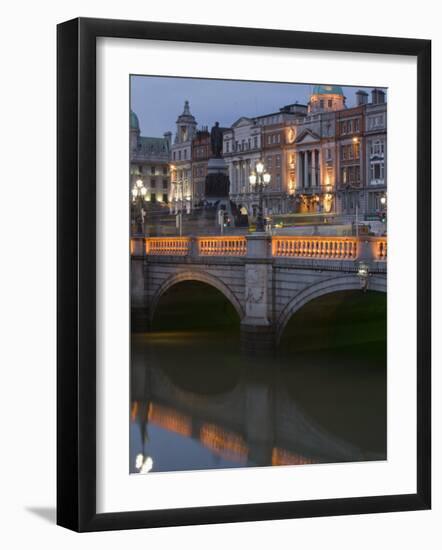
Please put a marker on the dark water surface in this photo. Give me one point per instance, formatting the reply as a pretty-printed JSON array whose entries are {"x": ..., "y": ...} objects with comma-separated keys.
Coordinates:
[{"x": 198, "y": 402}]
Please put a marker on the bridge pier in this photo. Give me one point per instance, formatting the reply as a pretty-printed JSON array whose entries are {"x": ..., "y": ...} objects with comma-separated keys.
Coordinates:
[
  {"x": 257, "y": 331},
  {"x": 140, "y": 319}
]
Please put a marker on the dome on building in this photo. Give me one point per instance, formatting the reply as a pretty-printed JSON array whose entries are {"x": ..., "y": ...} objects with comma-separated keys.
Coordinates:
[
  {"x": 324, "y": 89},
  {"x": 134, "y": 124}
]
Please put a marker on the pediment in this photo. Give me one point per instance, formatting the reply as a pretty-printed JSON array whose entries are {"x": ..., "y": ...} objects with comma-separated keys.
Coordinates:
[
  {"x": 307, "y": 136},
  {"x": 243, "y": 121}
]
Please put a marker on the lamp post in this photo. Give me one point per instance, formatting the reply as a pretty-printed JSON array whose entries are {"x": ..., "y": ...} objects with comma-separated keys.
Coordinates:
[
  {"x": 259, "y": 179},
  {"x": 383, "y": 201},
  {"x": 138, "y": 198}
]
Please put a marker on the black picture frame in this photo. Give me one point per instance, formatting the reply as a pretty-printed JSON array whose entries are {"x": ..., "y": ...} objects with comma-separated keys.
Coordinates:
[{"x": 76, "y": 273}]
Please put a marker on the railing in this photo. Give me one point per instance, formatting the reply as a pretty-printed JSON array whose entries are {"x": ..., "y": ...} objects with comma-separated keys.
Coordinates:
[
  {"x": 164, "y": 246},
  {"x": 222, "y": 246},
  {"x": 315, "y": 247},
  {"x": 381, "y": 249}
]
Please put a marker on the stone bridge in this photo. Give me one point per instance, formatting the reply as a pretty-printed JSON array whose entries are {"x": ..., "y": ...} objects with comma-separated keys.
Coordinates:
[{"x": 267, "y": 279}]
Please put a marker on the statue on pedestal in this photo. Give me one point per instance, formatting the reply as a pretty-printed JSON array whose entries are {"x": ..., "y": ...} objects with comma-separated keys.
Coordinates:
[{"x": 216, "y": 141}]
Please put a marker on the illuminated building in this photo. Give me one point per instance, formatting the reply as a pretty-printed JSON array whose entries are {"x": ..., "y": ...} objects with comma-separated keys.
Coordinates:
[{"x": 149, "y": 161}]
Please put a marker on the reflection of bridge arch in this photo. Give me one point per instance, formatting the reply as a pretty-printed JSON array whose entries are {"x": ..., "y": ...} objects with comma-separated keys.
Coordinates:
[
  {"x": 199, "y": 276},
  {"x": 336, "y": 284}
]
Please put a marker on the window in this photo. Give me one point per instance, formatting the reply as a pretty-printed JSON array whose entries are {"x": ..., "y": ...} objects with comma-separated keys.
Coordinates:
[
  {"x": 269, "y": 139},
  {"x": 255, "y": 142},
  {"x": 357, "y": 150},
  {"x": 165, "y": 198},
  {"x": 140, "y": 169},
  {"x": 185, "y": 153},
  {"x": 328, "y": 155},
  {"x": 377, "y": 147},
  {"x": 164, "y": 184},
  {"x": 179, "y": 155},
  {"x": 330, "y": 103},
  {"x": 356, "y": 125},
  {"x": 174, "y": 156},
  {"x": 227, "y": 146},
  {"x": 153, "y": 182},
  {"x": 377, "y": 171},
  {"x": 278, "y": 160},
  {"x": 153, "y": 197},
  {"x": 164, "y": 170},
  {"x": 321, "y": 103},
  {"x": 344, "y": 174}
]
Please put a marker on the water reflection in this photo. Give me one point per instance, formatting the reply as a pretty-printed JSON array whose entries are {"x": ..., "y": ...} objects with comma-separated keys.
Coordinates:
[{"x": 198, "y": 403}]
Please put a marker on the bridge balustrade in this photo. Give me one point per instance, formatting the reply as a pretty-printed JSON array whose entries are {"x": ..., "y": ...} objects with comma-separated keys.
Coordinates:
[
  {"x": 328, "y": 248},
  {"x": 381, "y": 249},
  {"x": 315, "y": 247},
  {"x": 165, "y": 246},
  {"x": 222, "y": 246}
]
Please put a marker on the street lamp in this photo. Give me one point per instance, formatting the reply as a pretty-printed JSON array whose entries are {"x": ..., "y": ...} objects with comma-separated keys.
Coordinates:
[
  {"x": 259, "y": 179},
  {"x": 138, "y": 197},
  {"x": 383, "y": 201}
]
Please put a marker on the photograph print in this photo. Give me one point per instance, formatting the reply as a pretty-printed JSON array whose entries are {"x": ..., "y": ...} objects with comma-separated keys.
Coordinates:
[{"x": 258, "y": 265}]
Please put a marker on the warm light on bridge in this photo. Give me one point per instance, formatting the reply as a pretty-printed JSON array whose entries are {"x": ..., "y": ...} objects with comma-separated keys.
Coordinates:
[{"x": 316, "y": 247}]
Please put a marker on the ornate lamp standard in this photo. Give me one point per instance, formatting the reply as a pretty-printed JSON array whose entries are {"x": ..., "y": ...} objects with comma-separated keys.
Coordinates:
[
  {"x": 138, "y": 198},
  {"x": 383, "y": 201},
  {"x": 259, "y": 179}
]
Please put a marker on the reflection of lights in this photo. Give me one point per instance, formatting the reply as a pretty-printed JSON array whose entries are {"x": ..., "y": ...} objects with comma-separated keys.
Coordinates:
[
  {"x": 139, "y": 461},
  {"x": 281, "y": 457},
  {"x": 143, "y": 465},
  {"x": 147, "y": 465}
]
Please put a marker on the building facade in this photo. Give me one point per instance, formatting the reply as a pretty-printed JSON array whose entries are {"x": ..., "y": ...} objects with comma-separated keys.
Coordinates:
[
  {"x": 201, "y": 153},
  {"x": 242, "y": 149},
  {"x": 323, "y": 157},
  {"x": 339, "y": 155},
  {"x": 376, "y": 154},
  {"x": 150, "y": 161},
  {"x": 181, "y": 165}
]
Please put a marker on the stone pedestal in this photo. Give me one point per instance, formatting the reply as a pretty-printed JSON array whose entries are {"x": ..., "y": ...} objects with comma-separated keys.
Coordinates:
[{"x": 217, "y": 187}]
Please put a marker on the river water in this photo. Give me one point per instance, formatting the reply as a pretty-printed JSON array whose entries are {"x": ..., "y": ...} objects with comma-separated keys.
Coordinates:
[{"x": 198, "y": 402}]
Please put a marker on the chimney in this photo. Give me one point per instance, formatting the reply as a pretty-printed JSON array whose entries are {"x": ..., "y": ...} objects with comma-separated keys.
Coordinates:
[
  {"x": 361, "y": 97},
  {"x": 377, "y": 96},
  {"x": 168, "y": 138}
]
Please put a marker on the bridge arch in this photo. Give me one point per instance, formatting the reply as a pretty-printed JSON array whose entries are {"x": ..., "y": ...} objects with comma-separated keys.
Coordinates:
[
  {"x": 328, "y": 286},
  {"x": 199, "y": 276}
]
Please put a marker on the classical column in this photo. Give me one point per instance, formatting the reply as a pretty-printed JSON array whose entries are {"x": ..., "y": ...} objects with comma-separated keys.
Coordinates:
[
  {"x": 298, "y": 170},
  {"x": 319, "y": 180},
  {"x": 313, "y": 167},
  {"x": 306, "y": 169}
]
